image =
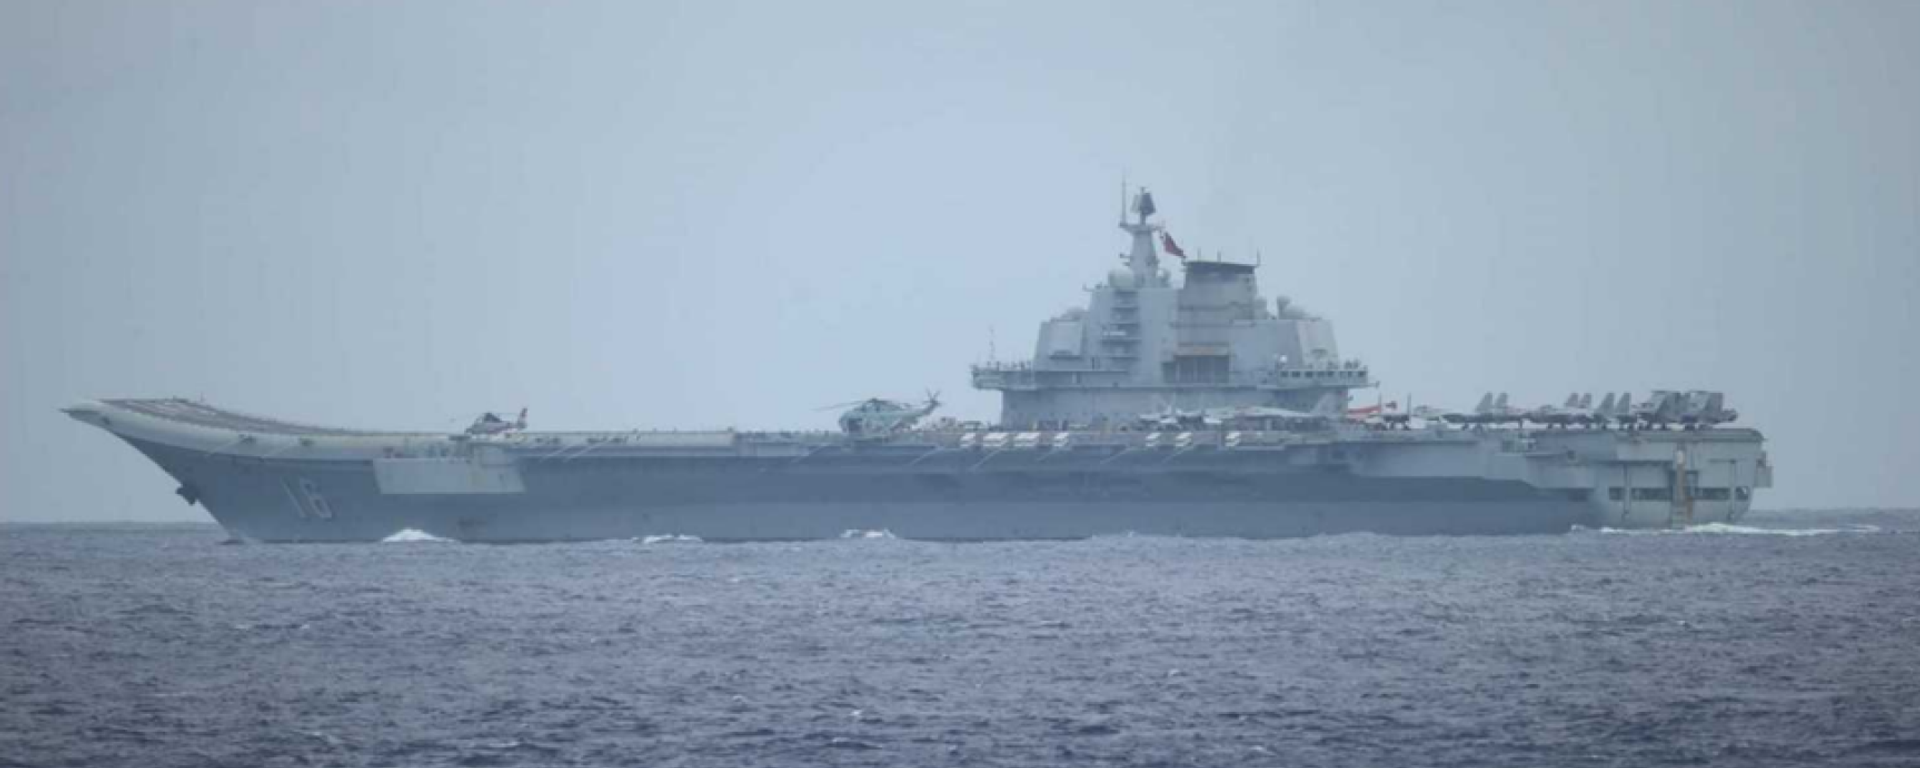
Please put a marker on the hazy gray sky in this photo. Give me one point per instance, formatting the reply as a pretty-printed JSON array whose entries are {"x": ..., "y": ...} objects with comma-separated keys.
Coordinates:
[{"x": 631, "y": 214}]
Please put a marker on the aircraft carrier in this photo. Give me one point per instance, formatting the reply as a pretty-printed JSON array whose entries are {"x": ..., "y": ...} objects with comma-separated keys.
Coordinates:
[{"x": 1192, "y": 409}]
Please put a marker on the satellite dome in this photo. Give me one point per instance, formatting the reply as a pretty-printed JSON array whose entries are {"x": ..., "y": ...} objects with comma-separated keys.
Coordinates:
[{"x": 1122, "y": 279}]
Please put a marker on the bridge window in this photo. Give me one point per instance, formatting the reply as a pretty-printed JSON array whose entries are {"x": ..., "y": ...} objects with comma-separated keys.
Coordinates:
[
  {"x": 1616, "y": 493},
  {"x": 1196, "y": 369},
  {"x": 1652, "y": 494},
  {"x": 1713, "y": 494}
]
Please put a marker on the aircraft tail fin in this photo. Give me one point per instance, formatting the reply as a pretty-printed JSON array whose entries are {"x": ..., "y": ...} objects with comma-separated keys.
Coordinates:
[
  {"x": 1573, "y": 400},
  {"x": 1486, "y": 403},
  {"x": 1500, "y": 403},
  {"x": 521, "y": 423},
  {"x": 1606, "y": 405},
  {"x": 1586, "y": 401}
]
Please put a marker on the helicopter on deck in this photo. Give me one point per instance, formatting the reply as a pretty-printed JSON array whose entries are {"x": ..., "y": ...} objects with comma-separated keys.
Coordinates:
[
  {"x": 492, "y": 424},
  {"x": 879, "y": 417}
]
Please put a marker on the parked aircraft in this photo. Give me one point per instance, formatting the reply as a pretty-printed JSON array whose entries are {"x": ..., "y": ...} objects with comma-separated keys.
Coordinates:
[
  {"x": 1705, "y": 410},
  {"x": 1578, "y": 411},
  {"x": 874, "y": 417},
  {"x": 491, "y": 424}
]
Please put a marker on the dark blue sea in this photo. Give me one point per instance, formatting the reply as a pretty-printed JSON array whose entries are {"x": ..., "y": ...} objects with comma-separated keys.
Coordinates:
[{"x": 1793, "y": 640}]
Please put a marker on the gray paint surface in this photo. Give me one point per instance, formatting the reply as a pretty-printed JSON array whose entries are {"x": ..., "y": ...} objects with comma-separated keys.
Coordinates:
[
  {"x": 266, "y": 482},
  {"x": 715, "y": 215}
]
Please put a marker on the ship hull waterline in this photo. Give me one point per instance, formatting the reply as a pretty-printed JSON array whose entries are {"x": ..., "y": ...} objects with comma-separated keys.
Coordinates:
[{"x": 268, "y": 500}]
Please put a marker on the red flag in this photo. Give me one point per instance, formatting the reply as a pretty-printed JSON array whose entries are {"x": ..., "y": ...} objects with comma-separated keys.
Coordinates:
[{"x": 1166, "y": 242}]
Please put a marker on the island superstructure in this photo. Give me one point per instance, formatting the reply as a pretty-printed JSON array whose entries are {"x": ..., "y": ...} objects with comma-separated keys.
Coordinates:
[
  {"x": 1192, "y": 409},
  {"x": 1144, "y": 344}
]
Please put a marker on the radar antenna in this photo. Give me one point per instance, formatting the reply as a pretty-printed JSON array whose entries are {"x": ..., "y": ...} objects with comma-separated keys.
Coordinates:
[{"x": 1142, "y": 259}]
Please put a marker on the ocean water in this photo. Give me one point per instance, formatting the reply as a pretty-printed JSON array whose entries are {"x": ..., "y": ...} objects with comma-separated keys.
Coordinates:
[{"x": 1792, "y": 640}]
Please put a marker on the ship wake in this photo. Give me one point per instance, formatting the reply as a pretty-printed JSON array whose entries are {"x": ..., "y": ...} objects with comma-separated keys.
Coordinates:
[
  {"x": 670, "y": 538},
  {"x": 413, "y": 536},
  {"x": 1726, "y": 529}
]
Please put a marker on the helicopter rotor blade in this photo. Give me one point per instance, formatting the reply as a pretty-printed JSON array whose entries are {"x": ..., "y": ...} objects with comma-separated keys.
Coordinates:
[{"x": 849, "y": 404}]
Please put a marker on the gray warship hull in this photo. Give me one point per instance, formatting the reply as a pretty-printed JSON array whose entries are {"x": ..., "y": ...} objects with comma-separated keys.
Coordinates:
[{"x": 268, "y": 480}]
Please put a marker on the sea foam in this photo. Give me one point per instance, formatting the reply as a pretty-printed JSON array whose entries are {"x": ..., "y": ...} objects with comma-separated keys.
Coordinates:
[
  {"x": 670, "y": 538},
  {"x": 411, "y": 535},
  {"x": 1745, "y": 530}
]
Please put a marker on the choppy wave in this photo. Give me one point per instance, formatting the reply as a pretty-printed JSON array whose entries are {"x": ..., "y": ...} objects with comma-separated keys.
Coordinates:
[
  {"x": 412, "y": 535},
  {"x": 934, "y": 654},
  {"x": 1731, "y": 529},
  {"x": 670, "y": 538},
  {"x": 856, "y": 533}
]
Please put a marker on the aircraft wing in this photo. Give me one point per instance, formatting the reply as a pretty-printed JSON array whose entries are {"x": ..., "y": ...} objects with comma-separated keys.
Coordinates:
[{"x": 1269, "y": 412}]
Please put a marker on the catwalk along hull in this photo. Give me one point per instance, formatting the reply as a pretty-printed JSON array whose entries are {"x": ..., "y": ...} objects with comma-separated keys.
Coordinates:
[{"x": 274, "y": 481}]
